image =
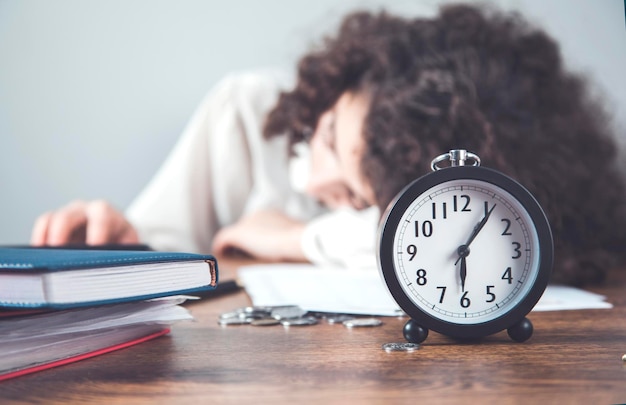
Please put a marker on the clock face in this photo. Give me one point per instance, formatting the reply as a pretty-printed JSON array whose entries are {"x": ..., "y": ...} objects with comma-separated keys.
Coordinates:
[{"x": 465, "y": 247}]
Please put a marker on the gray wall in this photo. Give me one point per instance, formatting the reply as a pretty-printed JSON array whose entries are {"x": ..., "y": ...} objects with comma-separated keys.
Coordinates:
[{"x": 93, "y": 94}]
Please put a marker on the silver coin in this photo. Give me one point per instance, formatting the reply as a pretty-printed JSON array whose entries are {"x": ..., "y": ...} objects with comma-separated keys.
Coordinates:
[
  {"x": 287, "y": 312},
  {"x": 306, "y": 321},
  {"x": 234, "y": 321},
  {"x": 362, "y": 322},
  {"x": 265, "y": 322},
  {"x": 257, "y": 310},
  {"x": 247, "y": 312},
  {"x": 338, "y": 318},
  {"x": 242, "y": 315},
  {"x": 400, "y": 347}
]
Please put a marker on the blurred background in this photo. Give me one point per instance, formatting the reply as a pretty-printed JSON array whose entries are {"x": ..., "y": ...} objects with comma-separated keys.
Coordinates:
[{"x": 94, "y": 94}]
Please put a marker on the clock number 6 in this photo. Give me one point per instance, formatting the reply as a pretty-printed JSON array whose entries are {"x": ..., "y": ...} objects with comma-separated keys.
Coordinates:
[{"x": 465, "y": 302}]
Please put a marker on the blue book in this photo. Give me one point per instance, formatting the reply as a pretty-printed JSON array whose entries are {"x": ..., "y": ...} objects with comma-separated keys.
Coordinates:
[{"x": 65, "y": 278}]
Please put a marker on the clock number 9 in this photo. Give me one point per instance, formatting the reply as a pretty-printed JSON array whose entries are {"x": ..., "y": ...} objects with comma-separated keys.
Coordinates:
[{"x": 412, "y": 250}]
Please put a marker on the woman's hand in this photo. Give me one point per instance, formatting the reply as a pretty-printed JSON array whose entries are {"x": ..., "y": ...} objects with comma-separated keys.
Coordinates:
[
  {"x": 268, "y": 235},
  {"x": 83, "y": 222}
]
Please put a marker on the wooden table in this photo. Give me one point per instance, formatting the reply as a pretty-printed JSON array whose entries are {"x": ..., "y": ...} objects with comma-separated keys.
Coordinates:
[{"x": 573, "y": 357}]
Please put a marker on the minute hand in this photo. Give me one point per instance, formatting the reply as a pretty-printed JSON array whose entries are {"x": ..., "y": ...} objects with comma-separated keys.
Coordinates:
[
  {"x": 479, "y": 226},
  {"x": 463, "y": 250}
]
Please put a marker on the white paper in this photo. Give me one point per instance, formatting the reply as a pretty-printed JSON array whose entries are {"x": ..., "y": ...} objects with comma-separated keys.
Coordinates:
[
  {"x": 361, "y": 291},
  {"x": 559, "y": 298},
  {"x": 318, "y": 289}
]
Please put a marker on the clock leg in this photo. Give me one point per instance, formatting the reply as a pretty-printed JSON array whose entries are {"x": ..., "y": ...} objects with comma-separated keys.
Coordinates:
[
  {"x": 414, "y": 333},
  {"x": 521, "y": 331}
]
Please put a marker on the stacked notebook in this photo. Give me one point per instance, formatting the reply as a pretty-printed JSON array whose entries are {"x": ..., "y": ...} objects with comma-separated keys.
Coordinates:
[{"x": 58, "y": 306}]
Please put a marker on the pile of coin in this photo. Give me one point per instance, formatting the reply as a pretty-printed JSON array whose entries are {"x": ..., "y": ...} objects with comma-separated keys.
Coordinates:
[
  {"x": 292, "y": 315},
  {"x": 289, "y": 315}
]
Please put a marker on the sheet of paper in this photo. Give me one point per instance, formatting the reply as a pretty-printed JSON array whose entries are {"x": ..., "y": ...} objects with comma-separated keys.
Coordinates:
[
  {"x": 361, "y": 291},
  {"x": 559, "y": 298}
]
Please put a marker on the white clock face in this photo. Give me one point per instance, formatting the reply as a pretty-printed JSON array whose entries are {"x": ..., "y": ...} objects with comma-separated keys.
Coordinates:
[{"x": 458, "y": 277}]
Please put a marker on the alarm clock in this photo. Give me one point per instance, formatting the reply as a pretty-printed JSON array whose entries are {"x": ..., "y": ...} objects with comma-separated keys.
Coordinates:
[{"x": 465, "y": 251}]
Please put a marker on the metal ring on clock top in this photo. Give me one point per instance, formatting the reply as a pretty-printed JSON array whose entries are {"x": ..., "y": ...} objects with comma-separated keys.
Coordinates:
[{"x": 457, "y": 157}]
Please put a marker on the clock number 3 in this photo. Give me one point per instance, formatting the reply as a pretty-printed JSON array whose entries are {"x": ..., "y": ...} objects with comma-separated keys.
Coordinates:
[{"x": 517, "y": 250}]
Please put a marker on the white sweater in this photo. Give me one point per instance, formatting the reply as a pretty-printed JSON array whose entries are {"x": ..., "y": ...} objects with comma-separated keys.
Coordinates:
[{"x": 222, "y": 168}]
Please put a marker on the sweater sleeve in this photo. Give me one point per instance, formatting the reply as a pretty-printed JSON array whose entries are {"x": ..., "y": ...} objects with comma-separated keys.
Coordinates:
[{"x": 218, "y": 168}]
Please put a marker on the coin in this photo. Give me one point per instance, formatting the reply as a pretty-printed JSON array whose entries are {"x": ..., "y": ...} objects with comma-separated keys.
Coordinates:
[
  {"x": 400, "y": 347},
  {"x": 338, "y": 318},
  {"x": 362, "y": 322},
  {"x": 265, "y": 322},
  {"x": 306, "y": 321},
  {"x": 247, "y": 312},
  {"x": 257, "y": 310},
  {"x": 286, "y": 312},
  {"x": 234, "y": 321}
]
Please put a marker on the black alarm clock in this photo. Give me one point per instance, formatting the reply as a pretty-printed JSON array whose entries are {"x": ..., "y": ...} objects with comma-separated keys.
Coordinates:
[{"x": 465, "y": 251}]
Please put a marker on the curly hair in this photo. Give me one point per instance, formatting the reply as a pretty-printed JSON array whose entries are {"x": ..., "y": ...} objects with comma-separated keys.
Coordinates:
[{"x": 485, "y": 81}]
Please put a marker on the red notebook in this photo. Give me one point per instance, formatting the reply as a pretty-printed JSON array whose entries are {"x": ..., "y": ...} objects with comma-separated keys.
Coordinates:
[
  {"x": 81, "y": 356},
  {"x": 30, "y": 343}
]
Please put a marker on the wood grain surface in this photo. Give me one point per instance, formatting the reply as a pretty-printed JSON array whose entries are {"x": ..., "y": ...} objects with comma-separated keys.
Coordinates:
[{"x": 573, "y": 357}]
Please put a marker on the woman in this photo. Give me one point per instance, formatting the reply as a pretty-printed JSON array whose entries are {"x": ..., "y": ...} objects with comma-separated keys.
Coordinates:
[{"x": 371, "y": 108}]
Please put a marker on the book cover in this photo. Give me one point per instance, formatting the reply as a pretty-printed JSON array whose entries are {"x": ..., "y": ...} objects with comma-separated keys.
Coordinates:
[
  {"x": 38, "y": 342},
  {"x": 133, "y": 337},
  {"x": 65, "y": 278}
]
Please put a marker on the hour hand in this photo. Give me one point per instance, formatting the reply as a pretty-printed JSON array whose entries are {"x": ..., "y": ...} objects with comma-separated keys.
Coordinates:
[
  {"x": 463, "y": 252},
  {"x": 463, "y": 272}
]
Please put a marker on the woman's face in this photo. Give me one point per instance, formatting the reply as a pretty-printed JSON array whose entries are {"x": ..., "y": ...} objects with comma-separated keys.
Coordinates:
[{"x": 336, "y": 149}]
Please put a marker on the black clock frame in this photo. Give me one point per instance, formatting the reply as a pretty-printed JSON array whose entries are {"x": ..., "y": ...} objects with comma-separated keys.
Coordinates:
[{"x": 513, "y": 318}]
